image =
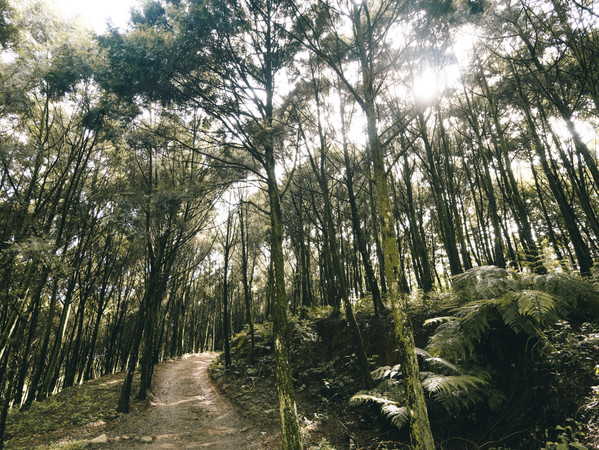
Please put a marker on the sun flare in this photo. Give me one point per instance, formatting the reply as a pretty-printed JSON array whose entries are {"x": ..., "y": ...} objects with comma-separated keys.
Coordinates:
[{"x": 427, "y": 86}]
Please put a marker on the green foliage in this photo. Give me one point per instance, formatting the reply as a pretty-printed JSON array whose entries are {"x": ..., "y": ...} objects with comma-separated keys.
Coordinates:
[
  {"x": 324, "y": 444},
  {"x": 448, "y": 387},
  {"x": 487, "y": 297},
  {"x": 320, "y": 312},
  {"x": 500, "y": 323},
  {"x": 8, "y": 31},
  {"x": 564, "y": 437}
]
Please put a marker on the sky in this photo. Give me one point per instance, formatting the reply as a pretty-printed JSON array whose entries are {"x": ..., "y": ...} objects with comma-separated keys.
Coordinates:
[{"x": 97, "y": 12}]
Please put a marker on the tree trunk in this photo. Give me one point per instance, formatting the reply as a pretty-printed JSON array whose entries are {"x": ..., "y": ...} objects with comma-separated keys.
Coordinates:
[
  {"x": 125, "y": 396},
  {"x": 420, "y": 431},
  {"x": 356, "y": 223},
  {"x": 247, "y": 287}
]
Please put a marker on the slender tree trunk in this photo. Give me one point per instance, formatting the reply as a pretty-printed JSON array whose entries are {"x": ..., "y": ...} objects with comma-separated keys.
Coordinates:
[
  {"x": 356, "y": 223},
  {"x": 247, "y": 288},
  {"x": 420, "y": 431},
  {"x": 375, "y": 222},
  {"x": 512, "y": 190},
  {"x": 226, "y": 320},
  {"x": 290, "y": 431},
  {"x": 125, "y": 396},
  {"x": 583, "y": 255},
  {"x": 446, "y": 226},
  {"x": 420, "y": 259},
  {"x": 7, "y": 395}
]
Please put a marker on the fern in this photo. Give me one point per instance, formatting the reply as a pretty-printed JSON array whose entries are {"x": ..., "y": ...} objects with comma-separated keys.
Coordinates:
[
  {"x": 393, "y": 410},
  {"x": 453, "y": 393},
  {"x": 485, "y": 300},
  {"x": 484, "y": 282},
  {"x": 486, "y": 297},
  {"x": 386, "y": 372},
  {"x": 572, "y": 294},
  {"x": 398, "y": 414},
  {"x": 443, "y": 364},
  {"x": 438, "y": 320}
]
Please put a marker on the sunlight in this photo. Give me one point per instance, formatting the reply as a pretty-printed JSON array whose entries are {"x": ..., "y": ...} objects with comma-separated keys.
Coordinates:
[
  {"x": 427, "y": 86},
  {"x": 97, "y": 14}
]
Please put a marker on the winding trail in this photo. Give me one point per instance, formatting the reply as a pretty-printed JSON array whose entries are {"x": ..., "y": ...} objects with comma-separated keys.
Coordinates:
[{"x": 186, "y": 411}]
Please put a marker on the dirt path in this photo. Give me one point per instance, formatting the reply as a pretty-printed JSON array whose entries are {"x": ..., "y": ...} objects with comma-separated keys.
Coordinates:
[{"x": 186, "y": 411}]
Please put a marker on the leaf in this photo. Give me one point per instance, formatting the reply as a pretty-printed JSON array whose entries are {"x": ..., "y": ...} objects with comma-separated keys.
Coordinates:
[
  {"x": 386, "y": 372},
  {"x": 456, "y": 391},
  {"x": 438, "y": 320},
  {"x": 443, "y": 363},
  {"x": 485, "y": 282},
  {"x": 398, "y": 414}
]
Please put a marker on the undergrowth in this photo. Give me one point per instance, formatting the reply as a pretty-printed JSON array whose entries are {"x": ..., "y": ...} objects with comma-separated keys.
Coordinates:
[
  {"x": 509, "y": 362},
  {"x": 71, "y": 416}
]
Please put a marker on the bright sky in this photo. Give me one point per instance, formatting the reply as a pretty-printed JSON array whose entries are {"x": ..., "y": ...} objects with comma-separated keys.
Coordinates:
[{"x": 97, "y": 12}]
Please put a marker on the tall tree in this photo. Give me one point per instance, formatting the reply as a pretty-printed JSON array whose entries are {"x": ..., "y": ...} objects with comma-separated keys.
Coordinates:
[{"x": 371, "y": 26}]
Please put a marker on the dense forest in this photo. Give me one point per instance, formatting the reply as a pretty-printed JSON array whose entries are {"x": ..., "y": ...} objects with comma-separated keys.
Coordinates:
[{"x": 221, "y": 164}]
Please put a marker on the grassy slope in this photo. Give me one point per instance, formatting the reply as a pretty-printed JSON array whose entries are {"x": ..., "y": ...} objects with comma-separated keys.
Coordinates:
[{"x": 69, "y": 418}]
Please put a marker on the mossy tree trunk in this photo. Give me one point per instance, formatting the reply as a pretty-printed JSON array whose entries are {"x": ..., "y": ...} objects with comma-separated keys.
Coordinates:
[
  {"x": 291, "y": 436},
  {"x": 420, "y": 431},
  {"x": 227, "y": 247},
  {"x": 290, "y": 431}
]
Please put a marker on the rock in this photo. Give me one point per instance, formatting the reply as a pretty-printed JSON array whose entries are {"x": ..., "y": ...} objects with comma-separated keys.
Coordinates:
[
  {"x": 102, "y": 439},
  {"x": 146, "y": 439}
]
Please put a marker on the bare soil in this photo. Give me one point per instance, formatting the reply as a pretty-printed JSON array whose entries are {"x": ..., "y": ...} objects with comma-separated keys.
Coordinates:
[{"x": 185, "y": 411}]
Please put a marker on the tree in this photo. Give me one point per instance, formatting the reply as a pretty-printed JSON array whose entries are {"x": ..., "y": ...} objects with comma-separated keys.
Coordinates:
[
  {"x": 371, "y": 25},
  {"x": 228, "y": 246}
]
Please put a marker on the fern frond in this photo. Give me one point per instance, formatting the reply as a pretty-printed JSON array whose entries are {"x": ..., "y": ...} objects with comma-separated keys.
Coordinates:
[
  {"x": 386, "y": 372},
  {"x": 438, "y": 320},
  {"x": 393, "y": 410},
  {"x": 421, "y": 352},
  {"x": 485, "y": 282},
  {"x": 398, "y": 414},
  {"x": 443, "y": 363},
  {"x": 366, "y": 396},
  {"x": 537, "y": 304},
  {"x": 435, "y": 361},
  {"x": 475, "y": 318},
  {"x": 571, "y": 293},
  {"x": 450, "y": 342},
  {"x": 455, "y": 391}
]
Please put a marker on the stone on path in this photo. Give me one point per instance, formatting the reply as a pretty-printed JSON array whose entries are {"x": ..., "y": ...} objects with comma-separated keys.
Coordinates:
[
  {"x": 146, "y": 439},
  {"x": 102, "y": 439}
]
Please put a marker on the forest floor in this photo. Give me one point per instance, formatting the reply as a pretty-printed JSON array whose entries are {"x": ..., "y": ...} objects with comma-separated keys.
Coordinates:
[{"x": 184, "y": 410}]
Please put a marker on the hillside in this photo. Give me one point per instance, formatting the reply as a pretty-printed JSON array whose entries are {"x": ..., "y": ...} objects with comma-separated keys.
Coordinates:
[{"x": 543, "y": 403}]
